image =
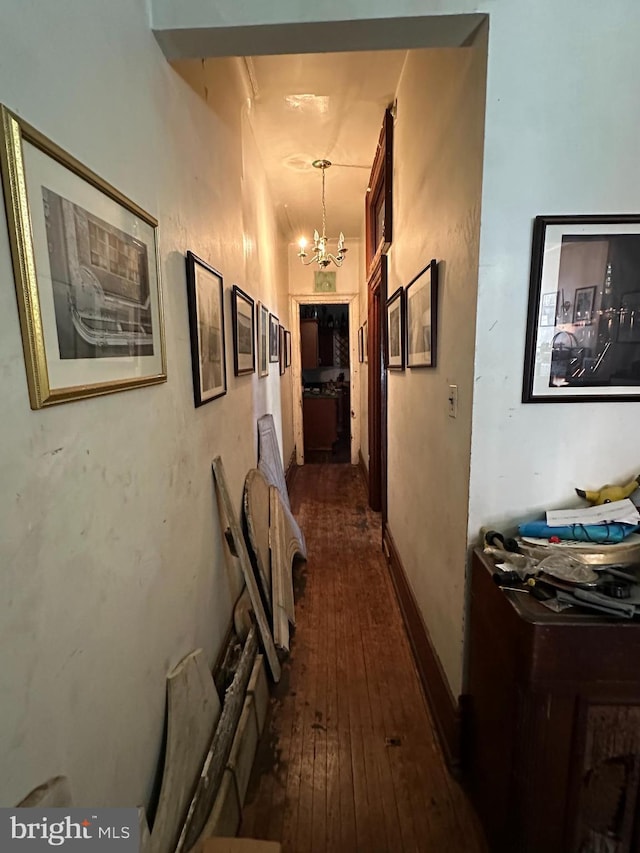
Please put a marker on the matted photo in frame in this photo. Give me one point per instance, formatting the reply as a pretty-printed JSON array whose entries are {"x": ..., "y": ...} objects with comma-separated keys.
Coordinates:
[
  {"x": 263, "y": 340},
  {"x": 282, "y": 351},
  {"x": 274, "y": 338},
  {"x": 206, "y": 323},
  {"x": 589, "y": 352},
  {"x": 85, "y": 261},
  {"x": 422, "y": 317},
  {"x": 394, "y": 344},
  {"x": 287, "y": 348},
  {"x": 244, "y": 350}
]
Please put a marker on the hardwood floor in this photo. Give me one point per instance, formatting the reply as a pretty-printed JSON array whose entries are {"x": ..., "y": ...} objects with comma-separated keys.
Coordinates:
[{"x": 349, "y": 761}]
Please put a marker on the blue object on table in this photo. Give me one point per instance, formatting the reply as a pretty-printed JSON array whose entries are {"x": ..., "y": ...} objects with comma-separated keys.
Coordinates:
[{"x": 601, "y": 534}]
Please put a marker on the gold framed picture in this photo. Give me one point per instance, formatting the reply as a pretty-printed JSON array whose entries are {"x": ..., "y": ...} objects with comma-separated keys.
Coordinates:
[
  {"x": 86, "y": 270},
  {"x": 324, "y": 282}
]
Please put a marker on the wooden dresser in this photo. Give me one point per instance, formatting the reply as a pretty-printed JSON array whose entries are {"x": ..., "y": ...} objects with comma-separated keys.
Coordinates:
[{"x": 553, "y": 727}]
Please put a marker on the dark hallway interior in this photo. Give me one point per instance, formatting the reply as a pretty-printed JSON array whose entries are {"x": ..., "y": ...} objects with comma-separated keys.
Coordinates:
[
  {"x": 326, "y": 402},
  {"x": 349, "y": 760}
]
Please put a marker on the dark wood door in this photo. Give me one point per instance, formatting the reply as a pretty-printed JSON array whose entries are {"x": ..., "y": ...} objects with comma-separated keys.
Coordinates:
[{"x": 377, "y": 288}]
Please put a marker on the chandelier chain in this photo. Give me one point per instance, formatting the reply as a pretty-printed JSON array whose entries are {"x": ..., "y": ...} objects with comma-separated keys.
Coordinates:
[{"x": 324, "y": 208}]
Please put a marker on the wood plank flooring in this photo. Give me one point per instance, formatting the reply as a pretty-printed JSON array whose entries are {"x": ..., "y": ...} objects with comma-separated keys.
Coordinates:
[{"x": 349, "y": 762}]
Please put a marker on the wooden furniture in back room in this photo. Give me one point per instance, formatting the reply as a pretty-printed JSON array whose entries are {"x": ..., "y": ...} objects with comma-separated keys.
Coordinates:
[
  {"x": 320, "y": 421},
  {"x": 309, "y": 343},
  {"x": 553, "y": 752}
]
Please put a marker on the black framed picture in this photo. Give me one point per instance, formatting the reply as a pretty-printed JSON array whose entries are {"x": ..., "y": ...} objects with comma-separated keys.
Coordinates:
[
  {"x": 589, "y": 353},
  {"x": 361, "y": 344},
  {"x": 287, "y": 348},
  {"x": 549, "y": 308},
  {"x": 422, "y": 317},
  {"x": 274, "y": 338},
  {"x": 206, "y": 323},
  {"x": 244, "y": 350},
  {"x": 394, "y": 341},
  {"x": 282, "y": 350},
  {"x": 263, "y": 340},
  {"x": 583, "y": 304},
  {"x": 365, "y": 343}
]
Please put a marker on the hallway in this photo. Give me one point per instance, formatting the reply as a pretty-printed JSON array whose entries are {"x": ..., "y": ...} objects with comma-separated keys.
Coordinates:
[{"x": 349, "y": 760}]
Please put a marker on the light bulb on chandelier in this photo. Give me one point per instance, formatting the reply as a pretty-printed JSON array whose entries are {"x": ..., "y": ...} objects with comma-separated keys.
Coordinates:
[{"x": 320, "y": 253}]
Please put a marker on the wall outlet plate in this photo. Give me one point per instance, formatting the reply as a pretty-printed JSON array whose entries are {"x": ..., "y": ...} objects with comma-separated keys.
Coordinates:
[{"x": 453, "y": 401}]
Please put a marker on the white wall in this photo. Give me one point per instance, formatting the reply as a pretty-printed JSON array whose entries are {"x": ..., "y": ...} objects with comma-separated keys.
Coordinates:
[
  {"x": 563, "y": 108},
  {"x": 110, "y": 547},
  {"x": 436, "y": 184}
]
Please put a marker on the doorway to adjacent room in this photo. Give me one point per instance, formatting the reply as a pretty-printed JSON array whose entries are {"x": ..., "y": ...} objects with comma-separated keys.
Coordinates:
[
  {"x": 326, "y": 394},
  {"x": 326, "y": 378}
]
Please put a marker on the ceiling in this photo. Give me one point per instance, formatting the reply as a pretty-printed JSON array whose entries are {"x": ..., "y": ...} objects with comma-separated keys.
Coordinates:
[{"x": 313, "y": 106}]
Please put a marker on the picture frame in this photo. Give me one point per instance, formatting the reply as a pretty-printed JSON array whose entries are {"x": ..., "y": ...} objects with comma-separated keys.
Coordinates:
[
  {"x": 324, "y": 281},
  {"x": 422, "y": 317},
  {"x": 281, "y": 351},
  {"x": 205, "y": 297},
  {"x": 590, "y": 262},
  {"x": 244, "y": 348},
  {"x": 361, "y": 344},
  {"x": 86, "y": 270},
  {"x": 549, "y": 309},
  {"x": 365, "y": 343},
  {"x": 583, "y": 304},
  {"x": 263, "y": 340},
  {"x": 395, "y": 332},
  {"x": 274, "y": 338},
  {"x": 287, "y": 348}
]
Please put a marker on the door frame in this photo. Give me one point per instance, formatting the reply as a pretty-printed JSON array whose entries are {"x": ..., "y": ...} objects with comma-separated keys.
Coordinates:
[
  {"x": 377, "y": 390},
  {"x": 352, "y": 300}
]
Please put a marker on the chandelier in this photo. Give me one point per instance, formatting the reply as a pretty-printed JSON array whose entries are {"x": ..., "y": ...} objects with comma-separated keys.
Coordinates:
[{"x": 321, "y": 255}]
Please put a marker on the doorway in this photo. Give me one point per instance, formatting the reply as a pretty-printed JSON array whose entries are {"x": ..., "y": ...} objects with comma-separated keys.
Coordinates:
[
  {"x": 326, "y": 406},
  {"x": 325, "y": 373}
]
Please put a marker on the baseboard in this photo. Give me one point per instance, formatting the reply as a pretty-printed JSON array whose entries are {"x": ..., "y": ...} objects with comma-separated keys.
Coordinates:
[
  {"x": 363, "y": 469},
  {"x": 292, "y": 470},
  {"x": 444, "y": 708}
]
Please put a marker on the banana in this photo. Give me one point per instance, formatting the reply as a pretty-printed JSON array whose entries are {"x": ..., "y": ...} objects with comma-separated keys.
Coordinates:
[{"x": 607, "y": 494}]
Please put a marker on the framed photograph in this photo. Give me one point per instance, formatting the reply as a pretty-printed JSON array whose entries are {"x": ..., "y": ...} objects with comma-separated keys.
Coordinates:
[
  {"x": 549, "y": 307},
  {"x": 583, "y": 304},
  {"x": 274, "y": 338},
  {"x": 263, "y": 340},
  {"x": 365, "y": 343},
  {"x": 85, "y": 261},
  {"x": 324, "y": 282},
  {"x": 589, "y": 264},
  {"x": 361, "y": 344},
  {"x": 422, "y": 317},
  {"x": 206, "y": 323},
  {"x": 244, "y": 351},
  {"x": 394, "y": 344},
  {"x": 287, "y": 348},
  {"x": 282, "y": 351}
]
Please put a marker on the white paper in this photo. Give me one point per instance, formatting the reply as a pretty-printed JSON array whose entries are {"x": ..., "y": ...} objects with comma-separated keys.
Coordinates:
[{"x": 623, "y": 511}]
